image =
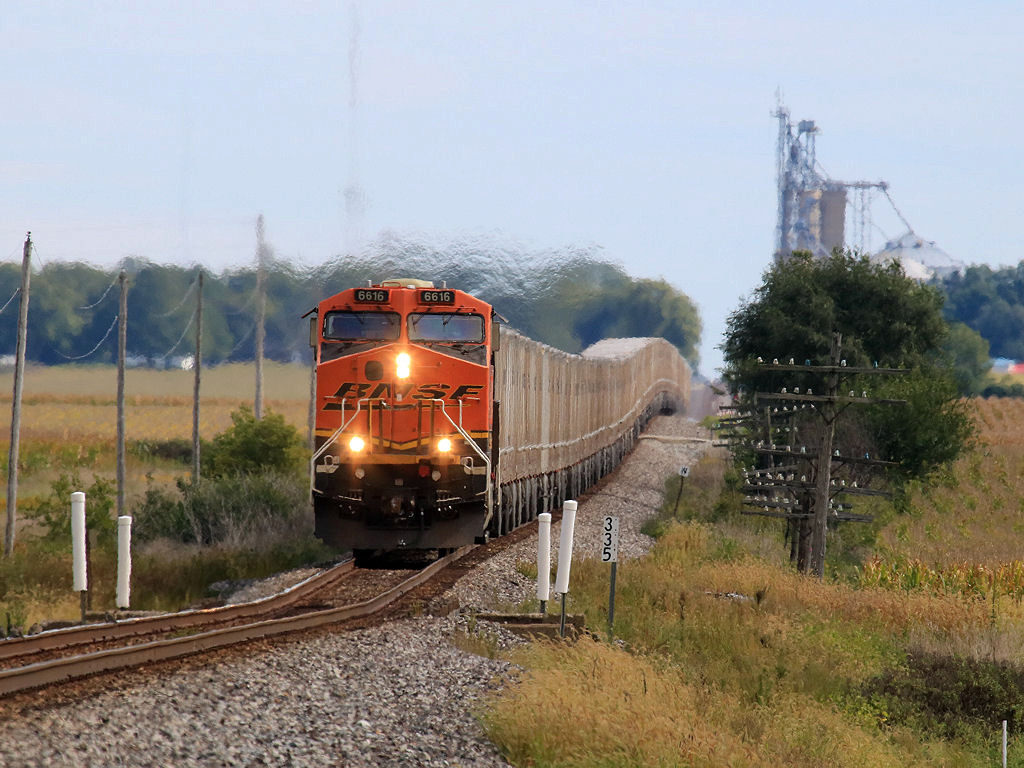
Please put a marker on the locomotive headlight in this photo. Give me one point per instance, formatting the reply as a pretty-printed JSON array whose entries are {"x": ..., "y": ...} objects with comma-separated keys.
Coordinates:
[
  {"x": 402, "y": 363},
  {"x": 444, "y": 445},
  {"x": 356, "y": 444}
]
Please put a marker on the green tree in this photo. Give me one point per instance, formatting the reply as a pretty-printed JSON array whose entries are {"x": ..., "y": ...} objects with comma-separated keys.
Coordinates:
[
  {"x": 886, "y": 319},
  {"x": 252, "y": 446},
  {"x": 967, "y": 353}
]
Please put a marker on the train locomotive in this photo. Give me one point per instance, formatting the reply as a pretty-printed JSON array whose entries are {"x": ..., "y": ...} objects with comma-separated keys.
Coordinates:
[{"x": 435, "y": 430}]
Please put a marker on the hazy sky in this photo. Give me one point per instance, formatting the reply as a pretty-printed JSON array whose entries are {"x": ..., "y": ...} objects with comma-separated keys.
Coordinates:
[{"x": 162, "y": 129}]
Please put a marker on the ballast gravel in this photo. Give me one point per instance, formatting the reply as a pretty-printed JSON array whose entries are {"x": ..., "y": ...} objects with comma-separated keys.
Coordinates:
[{"x": 400, "y": 694}]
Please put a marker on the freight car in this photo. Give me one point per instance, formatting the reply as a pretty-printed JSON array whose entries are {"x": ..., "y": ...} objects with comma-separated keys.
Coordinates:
[{"x": 435, "y": 430}]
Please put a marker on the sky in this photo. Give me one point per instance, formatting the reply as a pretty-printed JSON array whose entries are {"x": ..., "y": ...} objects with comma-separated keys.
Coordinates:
[{"x": 644, "y": 129}]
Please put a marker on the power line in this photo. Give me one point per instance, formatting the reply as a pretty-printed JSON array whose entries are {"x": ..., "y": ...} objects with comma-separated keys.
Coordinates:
[
  {"x": 180, "y": 338},
  {"x": 101, "y": 298},
  {"x": 240, "y": 342},
  {"x": 180, "y": 304},
  {"x": 98, "y": 345},
  {"x": 16, "y": 292}
]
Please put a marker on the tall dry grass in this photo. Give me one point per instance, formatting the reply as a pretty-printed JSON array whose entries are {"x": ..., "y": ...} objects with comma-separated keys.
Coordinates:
[{"x": 726, "y": 662}]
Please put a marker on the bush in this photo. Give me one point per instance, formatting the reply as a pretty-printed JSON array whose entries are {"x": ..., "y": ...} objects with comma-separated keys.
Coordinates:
[
  {"x": 175, "y": 449},
  {"x": 951, "y": 696},
  {"x": 53, "y": 513},
  {"x": 248, "y": 511},
  {"x": 254, "y": 445}
]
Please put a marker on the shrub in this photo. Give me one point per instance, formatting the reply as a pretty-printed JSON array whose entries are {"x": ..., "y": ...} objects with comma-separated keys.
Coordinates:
[
  {"x": 951, "y": 696},
  {"x": 251, "y": 511},
  {"x": 53, "y": 512},
  {"x": 175, "y": 449},
  {"x": 253, "y": 445}
]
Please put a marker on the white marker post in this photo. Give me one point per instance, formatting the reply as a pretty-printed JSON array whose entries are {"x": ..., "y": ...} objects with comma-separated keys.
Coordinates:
[
  {"x": 124, "y": 560},
  {"x": 79, "y": 577},
  {"x": 610, "y": 554},
  {"x": 565, "y": 556},
  {"x": 543, "y": 560}
]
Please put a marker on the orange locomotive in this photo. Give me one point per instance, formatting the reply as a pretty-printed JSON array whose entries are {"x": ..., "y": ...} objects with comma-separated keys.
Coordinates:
[{"x": 406, "y": 427}]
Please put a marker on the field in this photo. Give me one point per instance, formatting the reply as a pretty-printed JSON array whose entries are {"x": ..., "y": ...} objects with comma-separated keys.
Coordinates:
[
  {"x": 69, "y": 416},
  {"x": 975, "y": 513},
  {"x": 725, "y": 656}
]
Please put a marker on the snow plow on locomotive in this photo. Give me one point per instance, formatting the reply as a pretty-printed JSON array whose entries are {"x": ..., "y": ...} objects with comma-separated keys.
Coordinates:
[{"x": 433, "y": 432}]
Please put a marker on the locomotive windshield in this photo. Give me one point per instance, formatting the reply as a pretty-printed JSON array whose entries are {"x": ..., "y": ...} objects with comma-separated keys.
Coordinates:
[
  {"x": 447, "y": 327},
  {"x": 362, "y": 326}
]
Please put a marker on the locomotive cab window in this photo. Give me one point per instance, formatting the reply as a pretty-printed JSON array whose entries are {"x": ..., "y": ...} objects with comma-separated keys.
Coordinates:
[
  {"x": 362, "y": 326},
  {"x": 446, "y": 327}
]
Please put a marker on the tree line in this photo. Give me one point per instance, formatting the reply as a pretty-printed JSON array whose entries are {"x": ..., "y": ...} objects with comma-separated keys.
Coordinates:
[{"x": 567, "y": 298}]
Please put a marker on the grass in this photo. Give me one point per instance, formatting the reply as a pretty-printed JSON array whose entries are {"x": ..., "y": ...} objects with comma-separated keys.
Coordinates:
[
  {"x": 725, "y": 656},
  {"x": 69, "y": 424}
]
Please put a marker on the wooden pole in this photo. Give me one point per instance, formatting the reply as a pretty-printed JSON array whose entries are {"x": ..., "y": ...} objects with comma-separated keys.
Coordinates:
[
  {"x": 198, "y": 377},
  {"x": 261, "y": 313},
  {"x": 122, "y": 340},
  {"x": 823, "y": 476},
  {"x": 19, "y": 381},
  {"x": 311, "y": 415}
]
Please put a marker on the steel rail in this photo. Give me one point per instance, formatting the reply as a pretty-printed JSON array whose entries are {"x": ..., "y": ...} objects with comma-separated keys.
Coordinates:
[
  {"x": 170, "y": 622},
  {"x": 70, "y": 668}
]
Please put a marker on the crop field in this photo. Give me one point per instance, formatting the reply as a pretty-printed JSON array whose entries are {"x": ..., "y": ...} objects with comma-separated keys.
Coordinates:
[
  {"x": 974, "y": 515},
  {"x": 69, "y": 416}
]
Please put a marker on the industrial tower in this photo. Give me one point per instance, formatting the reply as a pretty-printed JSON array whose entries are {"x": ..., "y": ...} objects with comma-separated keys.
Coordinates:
[{"x": 812, "y": 207}]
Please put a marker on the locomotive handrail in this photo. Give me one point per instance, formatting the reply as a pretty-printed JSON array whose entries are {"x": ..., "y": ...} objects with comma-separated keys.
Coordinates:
[
  {"x": 472, "y": 443},
  {"x": 330, "y": 441},
  {"x": 464, "y": 433}
]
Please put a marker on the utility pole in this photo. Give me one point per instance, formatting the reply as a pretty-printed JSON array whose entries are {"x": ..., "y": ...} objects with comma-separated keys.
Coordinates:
[
  {"x": 19, "y": 381},
  {"x": 261, "y": 313},
  {"x": 796, "y": 485},
  {"x": 198, "y": 368},
  {"x": 122, "y": 340},
  {"x": 823, "y": 473}
]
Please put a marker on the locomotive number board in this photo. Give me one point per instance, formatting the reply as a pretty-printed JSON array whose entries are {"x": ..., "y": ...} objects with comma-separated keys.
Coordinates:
[
  {"x": 371, "y": 296},
  {"x": 437, "y": 297}
]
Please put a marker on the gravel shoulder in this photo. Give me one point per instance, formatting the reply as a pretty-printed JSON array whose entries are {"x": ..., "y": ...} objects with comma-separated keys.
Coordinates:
[{"x": 400, "y": 694}]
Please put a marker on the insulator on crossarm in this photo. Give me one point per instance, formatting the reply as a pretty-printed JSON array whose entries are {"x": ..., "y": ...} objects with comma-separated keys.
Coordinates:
[{"x": 775, "y": 361}]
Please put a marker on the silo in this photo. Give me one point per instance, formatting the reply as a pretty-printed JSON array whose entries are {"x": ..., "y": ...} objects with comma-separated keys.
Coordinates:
[{"x": 833, "y": 218}]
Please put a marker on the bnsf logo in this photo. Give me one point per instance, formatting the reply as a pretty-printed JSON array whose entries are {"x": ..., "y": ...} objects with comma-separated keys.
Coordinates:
[{"x": 357, "y": 390}]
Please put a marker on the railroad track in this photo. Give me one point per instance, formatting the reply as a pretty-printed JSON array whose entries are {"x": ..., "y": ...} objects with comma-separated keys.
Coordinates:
[{"x": 145, "y": 640}]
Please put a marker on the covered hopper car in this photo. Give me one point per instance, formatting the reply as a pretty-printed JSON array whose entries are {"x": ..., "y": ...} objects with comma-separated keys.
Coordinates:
[{"x": 434, "y": 430}]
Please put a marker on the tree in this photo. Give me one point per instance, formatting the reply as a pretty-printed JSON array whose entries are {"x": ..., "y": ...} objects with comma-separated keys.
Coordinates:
[
  {"x": 967, "y": 353},
  {"x": 252, "y": 446},
  {"x": 886, "y": 319}
]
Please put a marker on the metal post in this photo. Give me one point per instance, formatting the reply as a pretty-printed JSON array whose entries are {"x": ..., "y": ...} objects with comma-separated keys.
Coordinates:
[
  {"x": 19, "y": 381},
  {"x": 680, "y": 494},
  {"x": 561, "y": 624},
  {"x": 1004, "y": 744},
  {"x": 611, "y": 602},
  {"x": 122, "y": 336},
  {"x": 198, "y": 376}
]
